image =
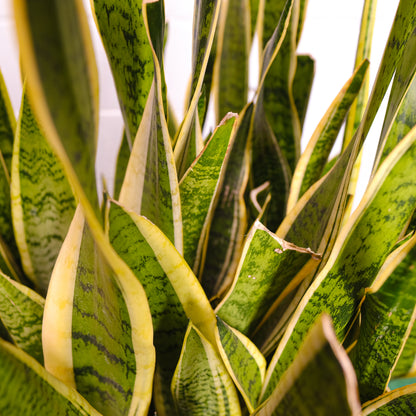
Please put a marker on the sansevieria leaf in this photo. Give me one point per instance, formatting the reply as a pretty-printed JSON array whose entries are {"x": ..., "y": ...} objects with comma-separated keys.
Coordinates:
[
  {"x": 97, "y": 331},
  {"x": 320, "y": 378},
  {"x": 398, "y": 402},
  {"x": 313, "y": 160},
  {"x": 229, "y": 222},
  {"x": 382, "y": 214},
  {"x": 244, "y": 362},
  {"x": 26, "y": 388},
  {"x": 58, "y": 59},
  {"x": 150, "y": 187},
  {"x": 42, "y": 201},
  {"x": 199, "y": 190},
  {"x": 387, "y": 316},
  {"x": 21, "y": 312},
  {"x": 168, "y": 315},
  {"x": 130, "y": 56},
  {"x": 261, "y": 279},
  {"x": 201, "y": 384},
  {"x": 188, "y": 142}
]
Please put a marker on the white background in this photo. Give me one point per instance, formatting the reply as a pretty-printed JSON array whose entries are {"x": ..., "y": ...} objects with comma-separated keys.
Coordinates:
[{"x": 330, "y": 36}]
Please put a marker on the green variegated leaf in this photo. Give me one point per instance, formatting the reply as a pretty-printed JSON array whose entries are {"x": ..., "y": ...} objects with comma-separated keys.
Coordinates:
[
  {"x": 21, "y": 312},
  {"x": 97, "y": 330},
  {"x": 399, "y": 402},
  {"x": 406, "y": 365},
  {"x": 400, "y": 118},
  {"x": 42, "y": 201},
  {"x": 201, "y": 384},
  {"x": 168, "y": 316},
  {"x": 243, "y": 361},
  {"x": 358, "y": 253},
  {"x": 228, "y": 227},
  {"x": 254, "y": 10},
  {"x": 233, "y": 52},
  {"x": 363, "y": 52},
  {"x": 279, "y": 105},
  {"x": 26, "y": 388},
  {"x": 320, "y": 381},
  {"x": 188, "y": 142},
  {"x": 150, "y": 187},
  {"x": 387, "y": 316},
  {"x": 266, "y": 269},
  {"x": 199, "y": 189},
  {"x": 314, "y": 158},
  {"x": 302, "y": 84},
  {"x": 183, "y": 281},
  {"x": 58, "y": 59},
  {"x": 129, "y": 53},
  {"x": 268, "y": 161}
]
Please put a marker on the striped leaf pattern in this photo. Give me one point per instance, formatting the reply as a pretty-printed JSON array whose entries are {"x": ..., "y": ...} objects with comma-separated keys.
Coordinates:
[
  {"x": 124, "y": 36},
  {"x": 199, "y": 190},
  {"x": 21, "y": 312},
  {"x": 387, "y": 315},
  {"x": 260, "y": 280},
  {"x": 168, "y": 316},
  {"x": 91, "y": 336},
  {"x": 233, "y": 52},
  {"x": 150, "y": 186},
  {"x": 313, "y": 160},
  {"x": 243, "y": 361},
  {"x": 189, "y": 141},
  {"x": 201, "y": 384},
  {"x": 382, "y": 214},
  {"x": 42, "y": 201},
  {"x": 62, "y": 77},
  {"x": 26, "y": 388},
  {"x": 229, "y": 222}
]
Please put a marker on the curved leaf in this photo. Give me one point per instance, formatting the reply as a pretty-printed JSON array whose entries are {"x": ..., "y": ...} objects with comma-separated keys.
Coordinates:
[
  {"x": 97, "y": 331},
  {"x": 42, "y": 201},
  {"x": 199, "y": 189},
  {"x": 201, "y": 384},
  {"x": 359, "y": 252},
  {"x": 26, "y": 388}
]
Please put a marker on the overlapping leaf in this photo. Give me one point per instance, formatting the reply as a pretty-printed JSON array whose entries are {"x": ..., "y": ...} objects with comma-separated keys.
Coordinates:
[
  {"x": 229, "y": 222},
  {"x": 358, "y": 254},
  {"x": 21, "y": 312},
  {"x": 97, "y": 330},
  {"x": 168, "y": 316},
  {"x": 42, "y": 201},
  {"x": 313, "y": 160},
  {"x": 26, "y": 388},
  {"x": 201, "y": 384},
  {"x": 387, "y": 315},
  {"x": 267, "y": 266},
  {"x": 199, "y": 189},
  {"x": 320, "y": 380}
]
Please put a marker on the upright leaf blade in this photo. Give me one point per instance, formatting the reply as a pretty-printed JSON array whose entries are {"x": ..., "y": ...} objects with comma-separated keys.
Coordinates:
[
  {"x": 95, "y": 336},
  {"x": 353, "y": 264},
  {"x": 201, "y": 384},
  {"x": 42, "y": 201},
  {"x": 200, "y": 188},
  {"x": 58, "y": 58}
]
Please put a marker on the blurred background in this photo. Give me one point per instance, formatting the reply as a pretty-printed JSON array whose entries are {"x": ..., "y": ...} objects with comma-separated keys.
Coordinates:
[{"x": 330, "y": 36}]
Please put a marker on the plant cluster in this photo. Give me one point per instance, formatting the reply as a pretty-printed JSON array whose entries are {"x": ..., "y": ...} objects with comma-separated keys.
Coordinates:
[{"x": 224, "y": 275}]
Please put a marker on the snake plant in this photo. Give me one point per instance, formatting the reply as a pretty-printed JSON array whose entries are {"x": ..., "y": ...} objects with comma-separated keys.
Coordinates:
[{"x": 223, "y": 273}]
